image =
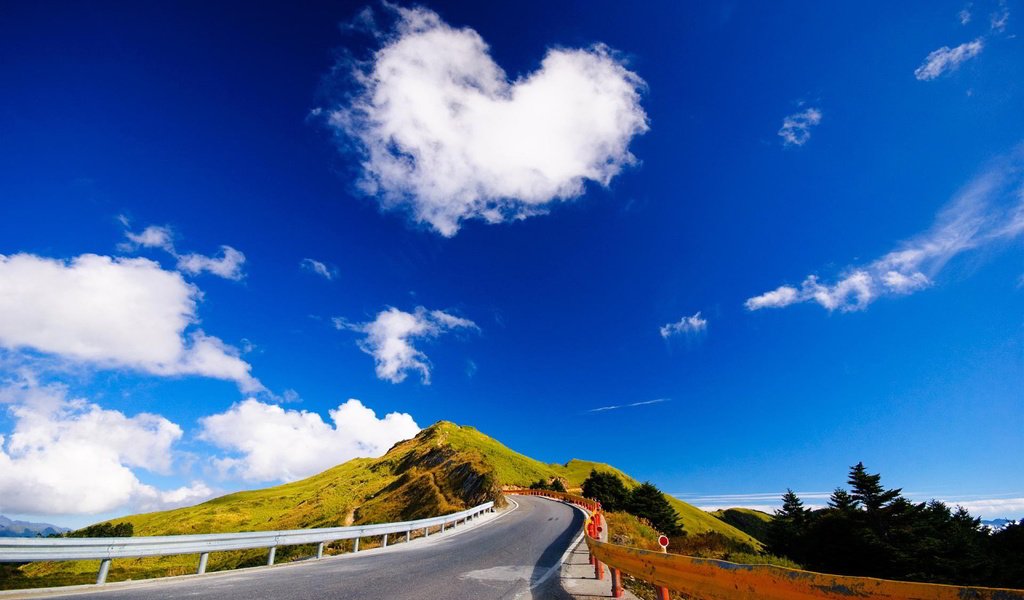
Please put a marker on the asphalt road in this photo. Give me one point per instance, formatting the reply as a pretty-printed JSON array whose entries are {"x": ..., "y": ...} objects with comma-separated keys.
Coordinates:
[{"x": 510, "y": 555}]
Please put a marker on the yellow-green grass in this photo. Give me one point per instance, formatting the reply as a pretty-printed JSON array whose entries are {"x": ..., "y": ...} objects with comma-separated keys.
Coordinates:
[
  {"x": 444, "y": 469},
  {"x": 748, "y": 520}
]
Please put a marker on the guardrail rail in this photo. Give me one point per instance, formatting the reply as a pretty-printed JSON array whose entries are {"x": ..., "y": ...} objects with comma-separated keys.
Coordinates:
[
  {"x": 707, "y": 579},
  {"x": 21, "y": 550}
]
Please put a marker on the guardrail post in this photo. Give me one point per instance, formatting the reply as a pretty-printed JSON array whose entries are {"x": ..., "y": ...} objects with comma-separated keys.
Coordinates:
[
  {"x": 203, "y": 557},
  {"x": 661, "y": 593},
  {"x": 355, "y": 547},
  {"x": 442, "y": 526},
  {"x": 599, "y": 570},
  {"x": 384, "y": 543},
  {"x": 101, "y": 578},
  {"x": 270, "y": 556},
  {"x": 426, "y": 532},
  {"x": 408, "y": 536},
  {"x": 320, "y": 550},
  {"x": 616, "y": 582}
]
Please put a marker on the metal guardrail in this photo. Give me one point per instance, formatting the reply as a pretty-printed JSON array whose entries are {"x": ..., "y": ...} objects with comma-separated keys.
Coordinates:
[
  {"x": 587, "y": 503},
  {"x": 707, "y": 579},
  {"x": 106, "y": 549}
]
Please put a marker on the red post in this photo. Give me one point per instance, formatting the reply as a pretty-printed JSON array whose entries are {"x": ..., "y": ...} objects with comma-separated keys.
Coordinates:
[
  {"x": 616, "y": 582},
  {"x": 661, "y": 593},
  {"x": 598, "y": 569}
]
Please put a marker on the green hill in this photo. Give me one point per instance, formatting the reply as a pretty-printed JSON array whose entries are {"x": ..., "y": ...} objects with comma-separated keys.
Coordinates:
[
  {"x": 444, "y": 469},
  {"x": 753, "y": 522}
]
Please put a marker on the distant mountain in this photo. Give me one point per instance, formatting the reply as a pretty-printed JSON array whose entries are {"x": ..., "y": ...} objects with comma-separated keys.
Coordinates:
[
  {"x": 444, "y": 469},
  {"x": 9, "y": 528},
  {"x": 997, "y": 524}
]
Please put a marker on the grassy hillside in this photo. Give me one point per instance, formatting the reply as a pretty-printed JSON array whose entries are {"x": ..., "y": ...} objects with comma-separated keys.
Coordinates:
[
  {"x": 748, "y": 520},
  {"x": 445, "y": 468}
]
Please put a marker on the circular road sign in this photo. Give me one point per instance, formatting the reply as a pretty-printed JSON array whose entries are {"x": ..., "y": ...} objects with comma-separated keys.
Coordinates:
[{"x": 663, "y": 541}]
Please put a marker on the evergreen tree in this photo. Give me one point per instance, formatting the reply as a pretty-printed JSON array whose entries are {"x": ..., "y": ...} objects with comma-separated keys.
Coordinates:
[
  {"x": 557, "y": 485},
  {"x": 788, "y": 530},
  {"x": 842, "y": 501},
  {"x": 868, "y": 490},
  {"x": 607, "y": 489},
  {"x": 648, "y": 502}
]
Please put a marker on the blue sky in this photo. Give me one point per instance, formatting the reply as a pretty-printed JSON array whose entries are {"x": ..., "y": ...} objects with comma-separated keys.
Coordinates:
[{"x": 776, "y": 240}]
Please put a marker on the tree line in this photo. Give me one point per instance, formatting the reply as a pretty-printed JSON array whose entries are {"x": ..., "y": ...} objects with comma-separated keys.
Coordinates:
[
  {"x": 645, "y": 501},
  {"x": 868, "y": 530}
]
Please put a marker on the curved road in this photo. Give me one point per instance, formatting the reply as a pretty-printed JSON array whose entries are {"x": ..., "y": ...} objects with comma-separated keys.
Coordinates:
[{"x": 507, "y": 556}]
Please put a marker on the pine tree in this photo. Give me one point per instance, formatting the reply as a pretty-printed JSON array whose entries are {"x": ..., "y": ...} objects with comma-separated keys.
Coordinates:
[
  {"x": 868, "y": 490},
  {"x": 607, "y": 489},
  {"x": 792, "y": 509},
  {"x": 788, "y": 530},
  {"x": 648, "y": 502},
  {"x": 841, "y": 500}
]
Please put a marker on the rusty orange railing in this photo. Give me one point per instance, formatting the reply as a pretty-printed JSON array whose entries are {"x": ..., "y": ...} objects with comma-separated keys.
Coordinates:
[{"x": 707, "y": 579}]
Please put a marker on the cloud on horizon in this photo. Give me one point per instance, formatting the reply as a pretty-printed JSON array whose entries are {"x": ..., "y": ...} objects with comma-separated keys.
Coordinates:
[
  {"x": 987, "y": 211},
  {"x": 270, "y": 443},
  {"x": 69, "y": 456},
  {"x": 446, "y": 136}
]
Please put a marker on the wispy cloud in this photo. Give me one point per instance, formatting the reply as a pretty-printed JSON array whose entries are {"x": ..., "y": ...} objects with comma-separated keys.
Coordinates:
[
  {"x": 618, "y": 406},
  {"x": 228, "y": 265},
  {"x": 990, "y": 209},
  {"x": 317, "y": 267},
  {"x": 390, "y": 336},
  {"x": 446, "y": 136},
  {"x": 946, "y": 59},
  {"x": 687, "y": 325},
  {"x": 796, "y": 128},
  {"x": 998, "y": 19},
  {"x": 965, "y": 14}
]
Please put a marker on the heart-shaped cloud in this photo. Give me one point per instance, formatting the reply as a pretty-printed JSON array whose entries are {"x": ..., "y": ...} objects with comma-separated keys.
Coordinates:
[{"x": 447, "y": 136}]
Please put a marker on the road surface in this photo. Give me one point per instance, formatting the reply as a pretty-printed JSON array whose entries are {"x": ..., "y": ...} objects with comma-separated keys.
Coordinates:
[{"x": 510, "y": 555}]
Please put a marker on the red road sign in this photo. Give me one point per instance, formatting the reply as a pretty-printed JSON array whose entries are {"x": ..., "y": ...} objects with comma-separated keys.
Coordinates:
[{"x": 663, "y": 542}]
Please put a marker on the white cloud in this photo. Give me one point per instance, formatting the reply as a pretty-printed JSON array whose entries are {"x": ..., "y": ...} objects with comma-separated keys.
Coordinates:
[
  {"x": 687, "y": 325},
  {"x": 389, "y": 339},
  {"x": 990, "y": 209},
  {"x": 315, "y": 266},
  {"x": 112, "y": 312},
  {"x": 947, "y": 59},
  {"x": 777, "y": 298},
  {"x": 270, "y": 443},
  {"x": 153, "y": 236},
  {"x": 70, "y": 456},
  {"x": 796, "y": 128},
  {"x": 448, "y": 137},
  {"x": 228, "y": 265}
]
